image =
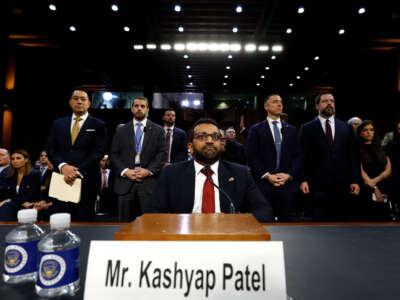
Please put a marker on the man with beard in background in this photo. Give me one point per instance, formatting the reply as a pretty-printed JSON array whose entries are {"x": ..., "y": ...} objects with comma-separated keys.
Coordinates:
[
  {"x": 331, "y": 170},
  {"x": 187, "y": 187}
]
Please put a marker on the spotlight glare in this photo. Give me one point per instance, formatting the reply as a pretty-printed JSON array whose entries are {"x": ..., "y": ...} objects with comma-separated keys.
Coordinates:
[
  {"x": 300, "y": 10},
  {"x": 239, "y": 9},
  {"x": 186, "y": 56},
  {"x": 127, "y": 29},
  {"x": 189, "y": 76},
  {"x": 257, "y": 84},
  {"x": 298, "y": 77},
  {"x": 341, "y": 31},
  {"x": 52, "y": 7},
  {"x": 72, "y": 28},
  {"x": 263, "y": 48},
  {"x": 228, "y": 67},
  {"x": 107, "y": 96},
  {"x": 289, "y": 30},
  {"x": 290, "y": 84},
  {"x": 235, "y": 47},
  {"x": 250, "y": 47},
  {"x": 273, "y": 57},
  {"x": 181, "y": 29},
  {"x": 196, "y": 102},
  {"x": 316, "y": 58},
  {"x": 138, "y": 47},
  {"x": 277, "y": 48},
  {"x": 185, "y": 103},
  {"x": 166, "y": 47},
  {"x": 224, "y": 83},
  {"x": 235, "y": 29},
  {"x": 267, "y": 68},
  {"x": 114, "y": 7},
  {"x": 262, "y": 76},
  {"x": 361, "y": 11},
  {"x": 226, "y": 76},
  {"x": 187, "y": 67},
  {"x": 223, "y": 47},
  {"x": 230, "y": 56},
  {"x": 179, "y": 47},
  {"x": 306, "y": 68},
  {"x": 151, "y": 46}
]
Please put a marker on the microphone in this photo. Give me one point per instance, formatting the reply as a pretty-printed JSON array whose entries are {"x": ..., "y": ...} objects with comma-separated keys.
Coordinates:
[{"x": 232, "y": 209}]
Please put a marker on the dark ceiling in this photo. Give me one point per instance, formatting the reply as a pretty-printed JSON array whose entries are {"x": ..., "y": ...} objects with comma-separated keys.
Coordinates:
[{"x": 101, "y": 53}]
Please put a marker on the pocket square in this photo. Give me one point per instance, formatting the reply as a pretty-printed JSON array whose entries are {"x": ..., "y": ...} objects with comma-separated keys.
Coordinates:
[
  {"x": 231, "y": 179},
  {"x": 90, "y": 129}
]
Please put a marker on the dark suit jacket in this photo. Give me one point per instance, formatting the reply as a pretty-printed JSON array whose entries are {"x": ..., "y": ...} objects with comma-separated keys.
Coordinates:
[
  {"x": 123, "y": 152},
  {"x": 3, "y": 175},
  {"x": 261, "y": 153},
  {"x": 327, "y": 167},
  {"x": 179, "y": 149},
  {"x": 234, "y": 152},
  {"x": 88, "y": 149},
  {"x": 174, "y": 192},
  {"x": 29, "y": 189}
]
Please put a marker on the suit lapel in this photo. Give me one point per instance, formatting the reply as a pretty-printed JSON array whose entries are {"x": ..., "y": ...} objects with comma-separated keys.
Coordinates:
[
  {"x": 188, "y": 176},
  {"x": 147, "y": 136},
  {"x": 268, "y": 134},
  {"x": 284, "y": 133},
  {"x": 225, "y": 183},
  {"x": 320, "y": 131},
  {"x": 67, "y": 130},
  {"x": 85, "y": 125}
]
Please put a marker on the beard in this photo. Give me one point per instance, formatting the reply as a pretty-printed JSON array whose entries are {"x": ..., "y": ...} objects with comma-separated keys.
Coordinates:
[
  {"x": 139, "y": 116},
  {"x": 207, "y": 155},
  {"x": 327, "y": 111}
]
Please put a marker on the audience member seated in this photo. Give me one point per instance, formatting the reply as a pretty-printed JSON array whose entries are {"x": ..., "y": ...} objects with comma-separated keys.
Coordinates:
[
  {"x": 22, "y": 189},
  {"x": 4, "y": 166},
  {"x": 393, "y": 152},
  {"x": 375, "y": 170},
  {"x": 234, "y": 151}
]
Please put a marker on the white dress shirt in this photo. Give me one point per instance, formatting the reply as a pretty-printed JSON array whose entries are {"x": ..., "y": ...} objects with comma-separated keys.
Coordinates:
[
  {"x": 200, "y": 178},
  {"x": 331, "y": 122},
  {"x": 271, "y": 126}
]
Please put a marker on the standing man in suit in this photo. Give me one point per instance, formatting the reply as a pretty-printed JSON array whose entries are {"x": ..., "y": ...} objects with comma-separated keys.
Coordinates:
[
  {"x": 175, "y": 138},
  {"x": 45, "y": 167},
  {"x": 273, "y": 153},
  {"x": 187, "y": 187},
  {"x": 106, "y": 199},
  {"x": 75, "y": 146},
  {"x": 138, "y": 153},
  {"x": 331, "y": 162},
  {"x": 234, "y": 151}
]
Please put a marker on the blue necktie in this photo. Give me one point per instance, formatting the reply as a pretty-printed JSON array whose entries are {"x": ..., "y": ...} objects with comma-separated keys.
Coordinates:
[
  {"x": 278, "y": 143},
  {"x": 138, "y": 137}
]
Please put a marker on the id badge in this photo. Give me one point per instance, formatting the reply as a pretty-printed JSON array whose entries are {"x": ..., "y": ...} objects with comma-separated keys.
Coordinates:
[{"x": 137, "y": 160}]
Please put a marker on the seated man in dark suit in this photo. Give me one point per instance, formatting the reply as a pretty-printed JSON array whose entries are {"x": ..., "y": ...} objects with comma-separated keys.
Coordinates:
[
  {"x": 187, "y": 187},
  {"x": 4, "y": 165}
]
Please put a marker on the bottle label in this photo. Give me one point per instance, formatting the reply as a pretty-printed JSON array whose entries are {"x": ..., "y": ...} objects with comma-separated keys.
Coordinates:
[
  {"x": 58, "y": 268},
  {"x": 20, "y": 258}
]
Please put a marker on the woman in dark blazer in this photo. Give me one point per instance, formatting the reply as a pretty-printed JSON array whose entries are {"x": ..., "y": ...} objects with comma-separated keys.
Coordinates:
[{"x": 22, "y": 188}]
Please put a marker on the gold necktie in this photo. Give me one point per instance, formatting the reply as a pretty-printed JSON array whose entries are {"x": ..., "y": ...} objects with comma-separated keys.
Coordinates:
[{"x": 75, "y": 129}]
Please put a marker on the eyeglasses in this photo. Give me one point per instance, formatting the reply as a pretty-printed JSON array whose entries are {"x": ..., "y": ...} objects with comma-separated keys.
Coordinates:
[{"x": 202, "y": 136}]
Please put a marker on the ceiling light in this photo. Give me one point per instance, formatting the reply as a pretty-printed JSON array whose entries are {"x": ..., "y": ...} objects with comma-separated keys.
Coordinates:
[
  {"x": 263, "y": 48},
  {"x": 224, "y": 83},
  {"x": 262, "y": 76},
  {"x": 300, "y": 10},
  {"x": 267, "y": 68},
  {"x": 290, "y": 84},
  {"x": 179, "y": 47},
  {"x": 72, "y": 28},
  {"x": 235, "y": 47},
  {"x": 114, "y": 7},
  {"x": 235, "y": 29},
  {"x": 239, "y": 8},
  {"x": 223, "y": 47},
  {"x": 341, "y": 31},
  {"x": 177, "y": 8},
  {"x": 250, "y": 47},
  {"x": 228, "y": 67},
  {"x": 202, "y": 46},
  {"x": 107, "y": 96},
  {"x": 196, "y": 102},
  {"x": 277, "y": 48},
  {"x": 226, "y": 76},
  {"x": 361, "y": 11},
  {"x": 316, "y": 58},
  {"x": 273, "y": 57},
  {"x": 298, "y": 77},
  {"x": 289, "y": 30},
  {"x": 189, "y": 76},
  {"x": 181, "y": 29},
  {"x": 186, "y": 56},
  {"x": 306, "y": 68},
  {"x": 191, "y": 46},
  {"x": 52, "y": 7},
  {"x": 230, "y": 56},
  {"x": 138, "y": 47},
  {"x": 166, "y": 47},
  {"x": 213, "y": 47},
  {"x": 187, "y": 67},
  {"x": 185, "y": 103},
  {"x": 127, "y": 29},
  {"x": 151, "y": 46},
  {"x": 190, "y": 83},
  {"x": 257, "y": 84}
]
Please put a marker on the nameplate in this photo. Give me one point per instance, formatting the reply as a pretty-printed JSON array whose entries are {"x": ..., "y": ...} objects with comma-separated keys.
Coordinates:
[{"x": 123, "y": 270}]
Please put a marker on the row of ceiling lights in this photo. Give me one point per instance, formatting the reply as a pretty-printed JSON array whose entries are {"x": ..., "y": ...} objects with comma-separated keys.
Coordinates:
[{"x": 211, "y": 47}]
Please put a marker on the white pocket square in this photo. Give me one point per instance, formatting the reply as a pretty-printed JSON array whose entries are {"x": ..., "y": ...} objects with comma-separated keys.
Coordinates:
[
  {"x": 231, "y": 179},
  {"x": 90, "y": 129}
]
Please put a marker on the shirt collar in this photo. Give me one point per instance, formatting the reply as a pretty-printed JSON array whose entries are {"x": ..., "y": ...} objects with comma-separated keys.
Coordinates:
[
  {"x": 271, "y": 120},
  {"x": 83, "y": 117},
  {"x": 198, "y": 167},
  {"x": 144, "y": 122},
  {"x": 166, "y": 128},
  {"x": 322, "y": 120}
]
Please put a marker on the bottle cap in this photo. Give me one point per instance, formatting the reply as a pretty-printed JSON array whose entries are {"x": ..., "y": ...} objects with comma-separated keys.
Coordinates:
[
  {"x": 60, "y": 221},
  {"x": 27, "y": 215}
]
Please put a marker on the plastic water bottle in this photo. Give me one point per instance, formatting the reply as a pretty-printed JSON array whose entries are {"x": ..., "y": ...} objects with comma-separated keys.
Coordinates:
[
  {"x": 58, "y": 272},
  {"x": 20, "y": 255}
]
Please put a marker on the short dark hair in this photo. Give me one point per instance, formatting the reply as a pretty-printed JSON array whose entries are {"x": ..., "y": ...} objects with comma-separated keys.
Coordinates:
[
  {"x": 141, "y": 98},
  {"x": 201, "y": 121},
  {"x": 318, "y": 98},
  {"x": 80, "y": 88},
  {"x": 269, "y": 96},
  {"x": 169, "y": 109}
]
